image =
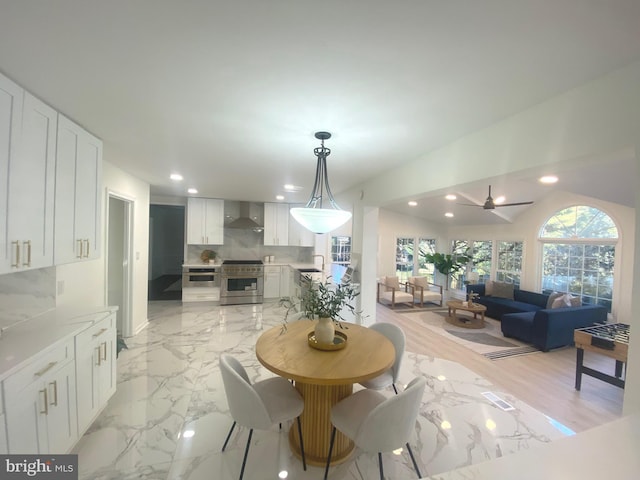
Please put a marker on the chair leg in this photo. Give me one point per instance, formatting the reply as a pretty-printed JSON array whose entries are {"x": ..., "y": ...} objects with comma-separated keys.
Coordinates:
[
  {"x": 304, "y": 462},
  {"x": 228, "y": 436},
  {"x": 380, "y": 466},
  {"x": 246, "y": 453},
  {"x": 333, "y": 437},
  {"x": 415, "y": 464}
]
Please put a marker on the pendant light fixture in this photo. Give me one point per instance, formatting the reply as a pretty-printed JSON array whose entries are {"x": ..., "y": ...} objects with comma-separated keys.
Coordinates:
[{"x": 321, "y": 214}]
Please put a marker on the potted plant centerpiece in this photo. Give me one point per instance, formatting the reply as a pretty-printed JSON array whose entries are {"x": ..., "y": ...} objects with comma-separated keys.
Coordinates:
[
  {"x": 208, "y": 256},
  {"x": 325, "y": 301}
]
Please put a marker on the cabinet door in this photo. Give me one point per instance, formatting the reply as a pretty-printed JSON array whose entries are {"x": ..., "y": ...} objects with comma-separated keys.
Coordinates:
[
  {"x": 214, "y": 222},
  {"x": 31, "y": 186},
  {"x": 62, "y": 427},
  {"x": 285, "y": 276},
  {"x": 26, "y": 419},
  {"x": 77, "y": 198},
  {"x": 272, "y": 282},
  {"x": 276, "y": 224},
  {"x": 196, "y": 208},
  {"x": 88, "y": 188},
  {"x": 11, "y": 99}
]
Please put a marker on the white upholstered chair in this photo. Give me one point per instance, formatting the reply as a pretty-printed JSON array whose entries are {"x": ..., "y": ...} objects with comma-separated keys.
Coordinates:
[
  {"x": 390, "y": 290},
  {"x": 260, "y": 405},
  {"x": 424, "y": 291},
  {"x": 390, "y": 377},
  {"x": 376, "y": 423}
]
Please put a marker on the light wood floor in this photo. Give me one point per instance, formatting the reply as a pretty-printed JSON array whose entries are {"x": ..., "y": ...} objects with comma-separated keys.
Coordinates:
[{"x": 543, "y": 380}]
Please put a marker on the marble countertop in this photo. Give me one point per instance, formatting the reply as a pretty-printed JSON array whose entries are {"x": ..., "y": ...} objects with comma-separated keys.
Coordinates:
[
  {"x": 27, "y": 339},
  {"x": 607, "y": 451}
]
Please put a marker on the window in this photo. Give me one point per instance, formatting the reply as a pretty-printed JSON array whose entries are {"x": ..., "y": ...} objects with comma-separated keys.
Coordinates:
[
  {"x": 404, "y": 258},
  {"x": 426, "y": 246},
  {"x": 341, "y": 250},
  {"x": 509, "y": 267},
  {"x": 458, "y": 247},
  {"x": 482, "y": 255},
  {"x": 579, "y": 254}
]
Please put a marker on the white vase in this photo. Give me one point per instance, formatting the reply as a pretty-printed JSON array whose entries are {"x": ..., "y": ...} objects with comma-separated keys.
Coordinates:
[{"x": 325, "y": 330}]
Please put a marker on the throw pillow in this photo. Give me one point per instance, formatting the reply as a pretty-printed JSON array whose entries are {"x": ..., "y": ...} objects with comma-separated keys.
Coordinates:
[
  {"x": 392, "y": 282},
  {"x": 488, "y": 287},
  {"x": 552, "y": 298},
  {"x": 566, "y": 300},
  {"x": 576, "y": 302},
  {"x": 420, "y": 281},
  {"x": 559, "y": 302},
  {"x": 503, "y": 290}
]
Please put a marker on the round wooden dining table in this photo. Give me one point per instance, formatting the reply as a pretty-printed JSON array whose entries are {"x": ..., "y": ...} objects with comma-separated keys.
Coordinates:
[{"x": 323, "y": 378}]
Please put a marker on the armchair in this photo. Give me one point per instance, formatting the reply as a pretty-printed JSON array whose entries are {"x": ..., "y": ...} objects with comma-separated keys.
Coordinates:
[
  {"x": 425, "y": 291},
  {"x": 392, "y": 291}
]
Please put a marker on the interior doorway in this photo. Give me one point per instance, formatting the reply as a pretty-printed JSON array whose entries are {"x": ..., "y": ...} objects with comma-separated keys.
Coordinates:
[
  {"x": 119, "y": 261},
  {"x": 166, "y": 251}
]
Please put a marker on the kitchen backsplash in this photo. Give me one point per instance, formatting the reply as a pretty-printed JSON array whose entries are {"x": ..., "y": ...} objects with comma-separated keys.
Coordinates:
[
  {"x": 248, "y": 245},
  {"x": 24, "y": 295}
]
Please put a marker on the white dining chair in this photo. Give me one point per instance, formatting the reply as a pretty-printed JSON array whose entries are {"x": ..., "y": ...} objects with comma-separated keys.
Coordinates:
[
  {"x": 259, "y": 405},
  {"x": 376, "y": 423},
  {"x": 390, "y": 377}
]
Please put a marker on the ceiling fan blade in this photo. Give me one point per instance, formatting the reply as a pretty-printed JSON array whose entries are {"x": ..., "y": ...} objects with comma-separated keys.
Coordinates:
[
  {"x": 512, "y": 204},
  {"x": 469, "y": 204}
]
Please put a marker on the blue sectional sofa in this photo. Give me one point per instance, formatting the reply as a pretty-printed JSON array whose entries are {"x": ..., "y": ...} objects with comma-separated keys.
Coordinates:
[{"x": 527, "y": 318}]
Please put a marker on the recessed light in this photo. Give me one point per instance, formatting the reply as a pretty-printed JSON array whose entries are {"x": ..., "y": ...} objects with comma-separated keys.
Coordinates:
[
  {"x": 292, "y": 188},
  {"x": 412, "y": 203},
  {"x": 188, "y": 434},
  {"x": 499, "y": 199},
  {"x": 548, "y": 179},
  {"x": 279, "y": 197},
  {"x": 192, "y": 190},
  {"x": 451, "y": 196},
  {"x": 448, "y": 214},
  {"x": 176, "y": 177}
]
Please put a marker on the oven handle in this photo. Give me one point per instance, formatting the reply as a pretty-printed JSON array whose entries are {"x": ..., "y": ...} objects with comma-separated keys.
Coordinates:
[{"x": 198, "y": 274}]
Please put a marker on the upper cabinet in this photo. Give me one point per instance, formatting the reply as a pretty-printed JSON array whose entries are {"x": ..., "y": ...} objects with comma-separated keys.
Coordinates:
[
  {"x": 27, "y": 167},
  {"x": 205, "y": 221},
  {"x": 298, "y": 235},
  {"x": 276, "y": 224},
  {"x": 77, "y": 197}
]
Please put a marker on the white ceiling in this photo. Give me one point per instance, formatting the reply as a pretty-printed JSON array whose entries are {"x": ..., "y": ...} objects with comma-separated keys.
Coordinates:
[{"x": 229, "y": 93}]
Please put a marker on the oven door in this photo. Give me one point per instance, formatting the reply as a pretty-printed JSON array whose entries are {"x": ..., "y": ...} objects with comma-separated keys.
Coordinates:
[
  {"x": 238, "y": 289},
  {"x": 199, "y": 277}
]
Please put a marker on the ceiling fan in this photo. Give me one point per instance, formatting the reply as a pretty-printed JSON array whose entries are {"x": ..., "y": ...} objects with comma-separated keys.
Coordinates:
[{"x": 489, "y": 204}]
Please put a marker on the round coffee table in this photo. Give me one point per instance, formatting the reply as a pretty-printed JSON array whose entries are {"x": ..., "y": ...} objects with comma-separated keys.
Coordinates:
[{"x": 466, "y": 322}]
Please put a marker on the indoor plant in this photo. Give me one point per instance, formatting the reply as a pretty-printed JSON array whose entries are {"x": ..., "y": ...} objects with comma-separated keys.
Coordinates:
[
  {"x": 447, "y": 263},
  {"x": 208, "y": 256},
  {"x": 325, "y": 302}
]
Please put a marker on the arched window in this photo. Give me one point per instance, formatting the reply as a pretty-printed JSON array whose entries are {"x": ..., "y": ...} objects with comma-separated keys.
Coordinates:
[{"x": 578, "y": 254}]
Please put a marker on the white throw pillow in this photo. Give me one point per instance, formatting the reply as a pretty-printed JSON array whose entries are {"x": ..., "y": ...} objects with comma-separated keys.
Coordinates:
[
  {"x": 420, "y": 281},
  {"x": 488, "y": 287},
  {"x": 552, "y": 298},
  {"x": 392, "y": 282}
]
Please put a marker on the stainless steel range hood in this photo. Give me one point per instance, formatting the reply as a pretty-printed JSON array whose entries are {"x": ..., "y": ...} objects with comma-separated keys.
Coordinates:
[{"x": 247, "y": 218}]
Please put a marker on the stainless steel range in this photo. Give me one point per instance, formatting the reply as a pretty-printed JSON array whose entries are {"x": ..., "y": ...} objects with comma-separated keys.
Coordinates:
[{"x": 241, "y": 281}]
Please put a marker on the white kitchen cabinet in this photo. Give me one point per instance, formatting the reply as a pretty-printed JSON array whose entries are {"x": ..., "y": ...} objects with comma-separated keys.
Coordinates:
[
  {"x": 4, "y": 447},
  {"x": 276, "y": 224},
  {"x": 11, "y": 106},
  {"x": 272, "y": 275},
  {"x": 78, "y": 193},
  {"x": 286, "y": 277},
  {"x": 41, "y": 403},
  {"x": 205, "y": 221},
  {"x": 31, "y": 188},
  {"x": 95, "y": 369}
]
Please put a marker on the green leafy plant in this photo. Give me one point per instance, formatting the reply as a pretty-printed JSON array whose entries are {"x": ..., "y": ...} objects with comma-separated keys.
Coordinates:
[
  {"x": 208, "y": 255},
  {"x": 446, "y": 263}
]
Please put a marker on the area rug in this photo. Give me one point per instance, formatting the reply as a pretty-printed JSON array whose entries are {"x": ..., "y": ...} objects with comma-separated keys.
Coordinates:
[
  {"x": 407, "y": 308},
  {"x": 488, "y": 341}
]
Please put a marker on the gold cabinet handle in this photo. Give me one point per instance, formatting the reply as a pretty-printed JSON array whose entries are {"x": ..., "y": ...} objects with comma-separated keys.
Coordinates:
[
  {"x": 55, "y": 392},
  {"x": 86, "y": 253},
  {"x": 45, "y": 369},
  {"x": 100, "y": 332},
  {"x": 79, "y": 249},
  {"x": 27, "y": 244},
  {"x": 99, "y": 362},
  {"x": 105, "y": 351},
  {"x": 17, "y": 245},
  {"x": 46, "y": 402}
]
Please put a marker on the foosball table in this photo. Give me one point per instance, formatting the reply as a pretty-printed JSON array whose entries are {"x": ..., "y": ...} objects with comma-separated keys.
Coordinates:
[{"x": 611, "y": 340}]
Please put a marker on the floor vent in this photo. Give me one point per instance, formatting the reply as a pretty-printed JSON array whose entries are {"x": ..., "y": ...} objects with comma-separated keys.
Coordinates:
[{"x": 492, "y": 397}]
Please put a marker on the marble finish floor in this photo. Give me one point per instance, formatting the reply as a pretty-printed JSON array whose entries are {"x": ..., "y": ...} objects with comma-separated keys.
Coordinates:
[{"x": 169, "y": 416}]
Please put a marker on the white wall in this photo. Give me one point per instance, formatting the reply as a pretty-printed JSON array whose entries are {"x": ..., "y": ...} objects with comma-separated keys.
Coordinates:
[{"x": 85, "y": 282}]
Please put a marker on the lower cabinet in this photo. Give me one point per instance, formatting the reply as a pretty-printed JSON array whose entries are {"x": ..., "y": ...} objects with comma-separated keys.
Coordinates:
[
  {"x": 272, "y": 281},
  {"x": 41, "y": 404},
  {"x": 4, "y": 447},
  {"x": 95, "y": 369}
]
